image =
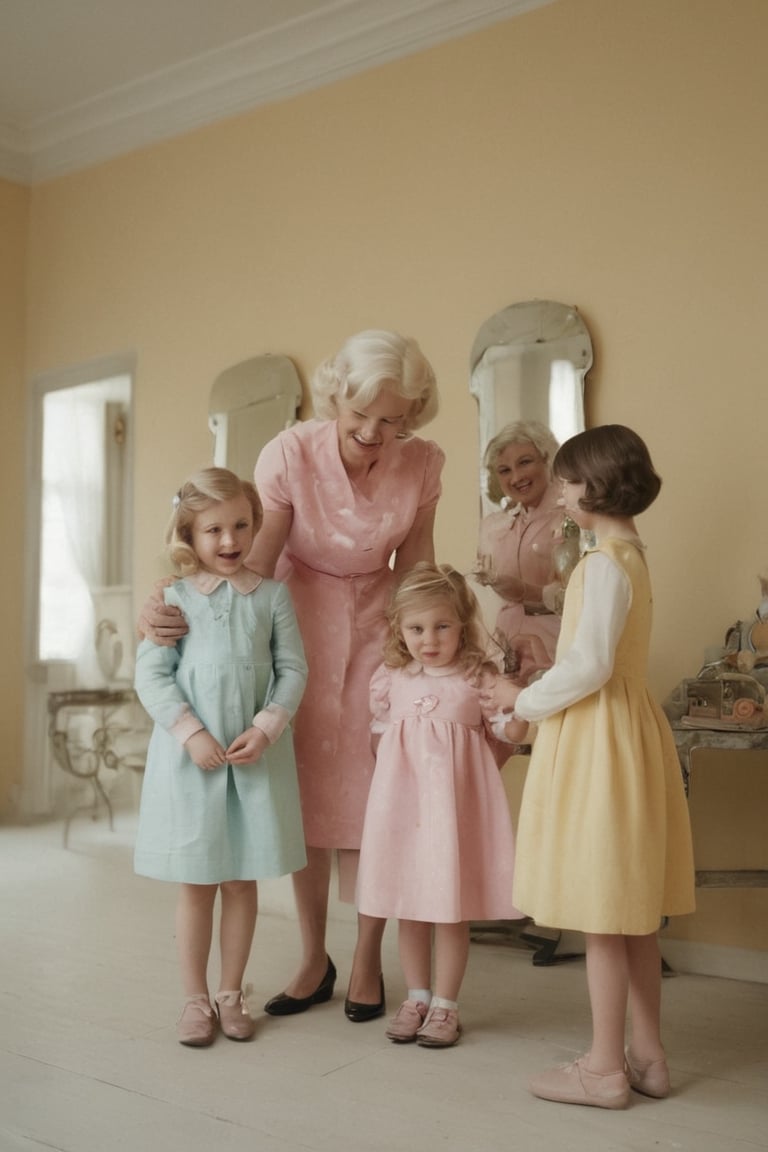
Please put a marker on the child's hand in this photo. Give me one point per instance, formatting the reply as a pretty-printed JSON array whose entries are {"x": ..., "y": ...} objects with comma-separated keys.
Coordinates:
[
  {"x": 247, "y": 748},
  {"x": 205, "y": 751},
  {"x": 500, "y": 696},
  {"x": 515, "y": 730}
]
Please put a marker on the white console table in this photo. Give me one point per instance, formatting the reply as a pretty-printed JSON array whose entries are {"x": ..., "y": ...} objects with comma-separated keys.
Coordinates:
[{"x": 85, "y": 759}]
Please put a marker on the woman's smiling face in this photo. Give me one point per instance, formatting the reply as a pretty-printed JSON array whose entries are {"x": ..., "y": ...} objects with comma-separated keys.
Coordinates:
[
  {"x": 365, "y": 432},
  {"x": 522, "y": 473}
]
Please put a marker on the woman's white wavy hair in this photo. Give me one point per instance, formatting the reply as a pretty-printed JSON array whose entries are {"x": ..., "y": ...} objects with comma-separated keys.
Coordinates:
[{"x": 368, "y": 362}]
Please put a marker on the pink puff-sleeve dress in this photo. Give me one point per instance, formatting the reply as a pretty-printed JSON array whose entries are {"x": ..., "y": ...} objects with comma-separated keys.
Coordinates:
[
  {"x": 336, "y": 564},
  {"x": 438, "y": 844}
]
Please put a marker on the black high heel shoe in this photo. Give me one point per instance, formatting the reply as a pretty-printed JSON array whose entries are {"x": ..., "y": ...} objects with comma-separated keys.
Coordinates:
[
  {"x": 360, "y": 1013},
  {"x": 285, "y": 1005}
]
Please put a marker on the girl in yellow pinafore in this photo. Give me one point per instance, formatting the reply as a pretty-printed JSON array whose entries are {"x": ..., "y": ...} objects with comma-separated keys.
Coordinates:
[{"x": 603, "y": 842}]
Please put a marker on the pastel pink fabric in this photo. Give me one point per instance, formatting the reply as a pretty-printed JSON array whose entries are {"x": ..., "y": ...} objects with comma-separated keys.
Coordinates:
[
  {"x": 438, "y": 844},
  {"x": 336, "y": 565},
  {"x": 521, "y": 544}
]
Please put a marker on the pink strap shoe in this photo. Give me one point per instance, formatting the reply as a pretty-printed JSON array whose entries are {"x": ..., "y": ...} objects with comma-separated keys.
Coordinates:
[
  {"x": 407, "y": 1021},
  {"x": 197, "y": 1024},
  {"x": 234, "y": 1017},
  {"x": 441, "y": 1029}
]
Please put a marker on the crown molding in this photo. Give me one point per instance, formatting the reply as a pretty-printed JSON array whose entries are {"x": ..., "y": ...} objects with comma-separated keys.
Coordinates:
[{"x": 343, "y": 39}]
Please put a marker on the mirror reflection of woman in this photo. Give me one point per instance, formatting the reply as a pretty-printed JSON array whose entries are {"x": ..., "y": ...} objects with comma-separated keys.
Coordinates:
[{"x": 516, "y": 544}]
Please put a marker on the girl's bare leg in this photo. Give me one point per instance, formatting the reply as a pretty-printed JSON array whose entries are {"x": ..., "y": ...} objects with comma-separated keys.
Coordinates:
[
  {"x": 194, "y": 932},
  {"x": 608, "y": 983},
  {"x": 414, "y": 938},
  {"x": 451, "y": 955},
  {"x": 644, "y": 961},
  {"x": 310, "y": 888},
  {"x": 239, "y": 906}
]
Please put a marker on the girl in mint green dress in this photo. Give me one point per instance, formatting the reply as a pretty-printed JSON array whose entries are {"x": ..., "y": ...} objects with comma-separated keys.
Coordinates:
[{"x": 220, "y": 803}]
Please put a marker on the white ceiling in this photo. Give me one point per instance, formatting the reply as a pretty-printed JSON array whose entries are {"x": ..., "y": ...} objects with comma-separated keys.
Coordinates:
[{"x": 83, "y": 80}]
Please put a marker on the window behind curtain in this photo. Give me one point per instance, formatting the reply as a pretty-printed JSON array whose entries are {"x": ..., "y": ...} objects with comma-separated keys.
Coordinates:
[{"x": 83, "y": 513}]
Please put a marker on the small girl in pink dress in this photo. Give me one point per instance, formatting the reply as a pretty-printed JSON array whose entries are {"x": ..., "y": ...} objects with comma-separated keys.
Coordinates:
[{"x": 438, "y": 847}]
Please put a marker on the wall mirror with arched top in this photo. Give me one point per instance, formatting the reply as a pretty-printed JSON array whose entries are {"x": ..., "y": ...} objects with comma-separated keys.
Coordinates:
[
  {"x": 529, "y": 362},
  {"x": 250, "y": 403}
]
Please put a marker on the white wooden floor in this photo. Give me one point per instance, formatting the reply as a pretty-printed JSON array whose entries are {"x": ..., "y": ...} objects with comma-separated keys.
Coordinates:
[{"x": 89, "y": 1060}]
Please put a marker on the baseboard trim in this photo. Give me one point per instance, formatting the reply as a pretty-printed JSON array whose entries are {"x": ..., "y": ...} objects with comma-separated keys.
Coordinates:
[{"x": 715, "y": 960}]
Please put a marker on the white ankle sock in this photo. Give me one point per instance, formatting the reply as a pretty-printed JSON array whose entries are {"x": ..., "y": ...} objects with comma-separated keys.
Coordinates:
[
  {"x": 423, "y": 995},
  {"x": 441, "y": 1002}
]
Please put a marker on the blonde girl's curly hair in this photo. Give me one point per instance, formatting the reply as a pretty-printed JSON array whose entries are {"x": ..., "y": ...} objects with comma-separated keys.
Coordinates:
[
  {"x": 368, "y": 362},
  {"x": 202, "y": 489},
  {"x": 427, "y": 584}
]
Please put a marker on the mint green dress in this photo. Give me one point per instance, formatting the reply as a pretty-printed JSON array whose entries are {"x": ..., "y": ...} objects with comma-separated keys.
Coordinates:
[{"x": 241, "y": 660}]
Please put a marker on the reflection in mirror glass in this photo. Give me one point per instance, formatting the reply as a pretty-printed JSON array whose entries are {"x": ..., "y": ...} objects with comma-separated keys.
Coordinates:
[{"x": 528, "y": 362}]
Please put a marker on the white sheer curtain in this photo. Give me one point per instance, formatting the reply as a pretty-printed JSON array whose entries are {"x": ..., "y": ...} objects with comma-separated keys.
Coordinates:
[
  {"x": 566, "y": 400},
  {"x": 73, "y": 526}
]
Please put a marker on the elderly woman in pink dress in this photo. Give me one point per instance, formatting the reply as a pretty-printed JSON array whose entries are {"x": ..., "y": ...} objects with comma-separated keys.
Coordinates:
[
  {"x": 349, "y": 505},
  {"x": 516, "y": 548}
]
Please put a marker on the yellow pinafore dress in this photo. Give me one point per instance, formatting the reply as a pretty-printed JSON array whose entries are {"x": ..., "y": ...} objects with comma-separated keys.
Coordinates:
[{"x": 604, "y": 841}]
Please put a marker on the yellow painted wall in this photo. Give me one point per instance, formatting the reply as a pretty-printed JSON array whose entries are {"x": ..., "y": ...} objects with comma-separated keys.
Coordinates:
[
  {"x": 605, "y": 153},
  {"x": 14, "y": 207}
]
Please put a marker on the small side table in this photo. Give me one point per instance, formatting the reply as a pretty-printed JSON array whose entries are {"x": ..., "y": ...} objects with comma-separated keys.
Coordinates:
[
  {"x": 687, "y": 740},
  {"x": 85, "y": 760}
]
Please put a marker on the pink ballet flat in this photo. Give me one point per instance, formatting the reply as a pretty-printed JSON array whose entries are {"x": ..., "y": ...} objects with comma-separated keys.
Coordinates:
[
  {"x": 574, "y": 1084},
  {"x": 651, "y": 1079}
]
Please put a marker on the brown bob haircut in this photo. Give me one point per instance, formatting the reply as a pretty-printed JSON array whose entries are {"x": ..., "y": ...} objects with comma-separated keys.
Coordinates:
[{"x": 615, "y": 465}]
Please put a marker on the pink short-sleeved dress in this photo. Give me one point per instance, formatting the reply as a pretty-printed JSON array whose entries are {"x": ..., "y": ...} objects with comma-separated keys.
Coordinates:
[
  {"x": 520, "y": 543},
  {"x": 438, "y": 844},
  {"x": 336, "y": 564}
]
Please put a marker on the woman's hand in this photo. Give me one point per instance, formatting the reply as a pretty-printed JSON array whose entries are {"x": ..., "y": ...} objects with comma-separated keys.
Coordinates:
[
  {"x": 510, "y": 588},
  {"x": 205, "y": 751},
  {"x": 248, "y": 747},
  {"x": 484, "y": 571},
  {"x": 162, "y": 623}
]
